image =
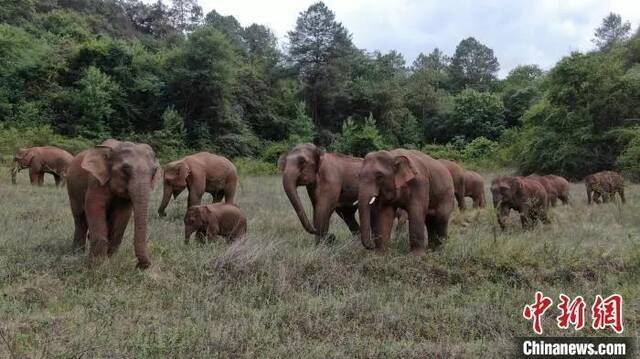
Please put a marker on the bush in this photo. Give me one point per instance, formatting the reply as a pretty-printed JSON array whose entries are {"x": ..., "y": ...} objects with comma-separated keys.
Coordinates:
[
  {"x": 273, "y": 151},
  {"x": 12, "y": 138},
  {"x": 480, "y": 148},
  {"x": 629, "y": 160},
  {"x": 358, "y": 140},
  {"x": 250, "y": 167},
  {"x": 442, "y": 151}
]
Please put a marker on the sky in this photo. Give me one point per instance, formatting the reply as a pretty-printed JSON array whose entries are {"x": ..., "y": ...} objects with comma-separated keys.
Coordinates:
[{"x": 519, "y": 31}]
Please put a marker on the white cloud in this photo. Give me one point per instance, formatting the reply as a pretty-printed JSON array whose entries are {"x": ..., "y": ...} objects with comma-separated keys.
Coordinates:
[{"x": 520, "y": 32}]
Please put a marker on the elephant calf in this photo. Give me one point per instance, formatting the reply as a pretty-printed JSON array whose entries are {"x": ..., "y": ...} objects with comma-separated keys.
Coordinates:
[
  {"x": 557, "y": 188},
  {"x": 212, "y": 220},
  {"x": 522, "y": 194},
  {"x": 604, "y": 184}
]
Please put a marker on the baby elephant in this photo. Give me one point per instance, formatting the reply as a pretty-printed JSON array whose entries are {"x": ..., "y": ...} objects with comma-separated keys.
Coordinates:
[
  {"x": 214, "y": 219},
  {"x": 522, "y": 194}
]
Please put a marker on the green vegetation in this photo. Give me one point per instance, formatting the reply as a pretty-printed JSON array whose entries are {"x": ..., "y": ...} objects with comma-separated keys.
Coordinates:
[
  {"x": 183, "y": 81},
  {"x": 276, "y": 294}
]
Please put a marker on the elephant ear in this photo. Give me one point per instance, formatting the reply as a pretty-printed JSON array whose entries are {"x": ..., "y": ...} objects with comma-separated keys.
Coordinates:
[
  {"x": 282, "y": 161},
  {"x": 156, "y": 176},
  {"x": 27, "y": 157},
  {"x": 404, "y": 171},
  {"x": 96, "y": 162},
  {"x": 517, "y": 186}
]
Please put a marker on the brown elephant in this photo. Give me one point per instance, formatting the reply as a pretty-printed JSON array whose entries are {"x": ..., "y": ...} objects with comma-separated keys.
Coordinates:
[
  {"x": 201, "y": 172},
  {"x": 105, "y": 185},
  {"x": 41, "y": 160},
  {"x": 474, "y": 188},
  {"x": 410, "y": 180},
  {"x": 561, "y": 186},
  {"x": 331, "y": 180},
  {"x": 549, "y": 186},
  {"x": 522, "y": 194},
  {"x": 604, "y": 184},
  {"x": 457, "y": 174},
  {"x": 212, "y": 220}
]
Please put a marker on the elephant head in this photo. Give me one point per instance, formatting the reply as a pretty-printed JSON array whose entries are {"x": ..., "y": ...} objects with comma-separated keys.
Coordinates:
[
  {"x": 22, "y": 159},
  {"x": 129, "y": 171},
  {"x": 175, "y": 176},
  {"x": 300, "y": 167},
  {"x": 382, "y": 175},
  {"x": 196, "y": 218},
  {"x": 506, "y": 192}
]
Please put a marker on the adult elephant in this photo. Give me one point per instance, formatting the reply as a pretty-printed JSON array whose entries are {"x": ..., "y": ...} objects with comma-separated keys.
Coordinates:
[
  {"x": 41, "y": 160},
  {"x": 201, "y": 172},
  {"x": 523, "y": 194},
  {"x": 105, "y": 185},
  {"x": 331, "y": 180},
  {"x": 410, "y": 180},
  {"x": 474, "y": 188},
  {"x": 457, "y": 174},
  {"x": 557, "y": 188},
  {"x": 604, "y": 184}
]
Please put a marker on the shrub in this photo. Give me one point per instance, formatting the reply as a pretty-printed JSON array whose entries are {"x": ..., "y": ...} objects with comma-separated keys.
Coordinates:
[
  {"x": 273, "y": 151},
  {"x": 479, "y": 149},
  {"x": 442, "y": 151},
  {"x": 358, "y": 140},
  {"x": 250, "y": 167},
  {"x": 629, "y": 160}
]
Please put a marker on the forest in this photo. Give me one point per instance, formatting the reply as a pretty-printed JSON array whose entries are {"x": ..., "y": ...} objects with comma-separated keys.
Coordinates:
[{"x": 75, "y": 72}]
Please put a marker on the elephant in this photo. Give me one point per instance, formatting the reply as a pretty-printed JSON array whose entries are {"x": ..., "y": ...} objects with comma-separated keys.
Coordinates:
[
  {"x": 457, "y": 174},
  {"x": 105, "y": 185},
  {"x": 331, "y": 180},
  {"x": 604, "y": 184},
  {"x": 212, "y": 220},
  {"x": 522, "y": 194},
  {"x": 41, "y": 160},
  {"x": 201, "y": 172},
  {"x": 549, "y": 186},
  {"x": 410, "y": 180},
  {"x": 474, "y": 188}
]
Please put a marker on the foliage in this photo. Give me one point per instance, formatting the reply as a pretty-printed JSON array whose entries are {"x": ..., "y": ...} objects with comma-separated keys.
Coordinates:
[
  {"x": 629, "y": 160},
  {"x": 612, "y": 31},
  {"x": 478, "y": 149},
  {"x": 13, "y": 138},
  {"x": 473, "y": 65},
  {"x": 442, "y": 151},
  {"x": 359, "y": 139},
  {"x": 477, "y": 114}
]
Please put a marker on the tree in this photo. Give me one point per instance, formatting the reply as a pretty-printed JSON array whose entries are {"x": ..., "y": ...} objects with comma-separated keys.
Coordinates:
[
  {"x": 93, "y": 102},
  {"x": 477, "y": 114},
  {"x": 521, "y": 89},
  {"x": 473, "y": 65},
  {"x": 317, "y": 41},
  {"x": 358, "y": 140},
  {"x": 185, "y": 14},
  {"x": 612, "y": 31}
]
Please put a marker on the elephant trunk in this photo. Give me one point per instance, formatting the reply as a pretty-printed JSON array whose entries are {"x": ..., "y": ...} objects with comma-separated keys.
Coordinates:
[
  {"x": 140, "y": 199},
  {"x": 289, "y": 183},
  {"x": 188, "y": 231},
  {"x": 364, "y": 209},
  {"x": 166, "y": 197}
]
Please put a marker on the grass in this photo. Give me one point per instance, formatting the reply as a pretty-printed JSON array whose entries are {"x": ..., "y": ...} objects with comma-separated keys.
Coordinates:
[{"x": 276, "y": 294}]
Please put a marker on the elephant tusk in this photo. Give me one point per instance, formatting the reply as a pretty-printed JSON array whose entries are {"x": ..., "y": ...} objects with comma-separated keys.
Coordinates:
[
  {"x": 373, "y": 199},
  {"x": 355, "y": 203}
]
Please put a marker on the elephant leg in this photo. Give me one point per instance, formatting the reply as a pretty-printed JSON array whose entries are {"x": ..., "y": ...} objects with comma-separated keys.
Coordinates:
[
  {"x": 80, "y": 231},
  {"x": 460, "y": 199},
  {"x": 348, "y": 215},
  {"x": 34, "y": 176},
  {"x": 325, "y": 204},
  {"x": 118, "y": 220},
  {"x": 195, "y": 195},
  {"x": 96, "y": 208},
  {"x": 417, "y": 231},
  {"x": 384, "y": 223},
  {"x": 230, "y": 191},
  {"x": 437, "y": 230}
]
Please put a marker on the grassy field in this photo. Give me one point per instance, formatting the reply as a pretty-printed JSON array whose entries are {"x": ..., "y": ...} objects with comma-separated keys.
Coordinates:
[{"x": 276, "y": 294}]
